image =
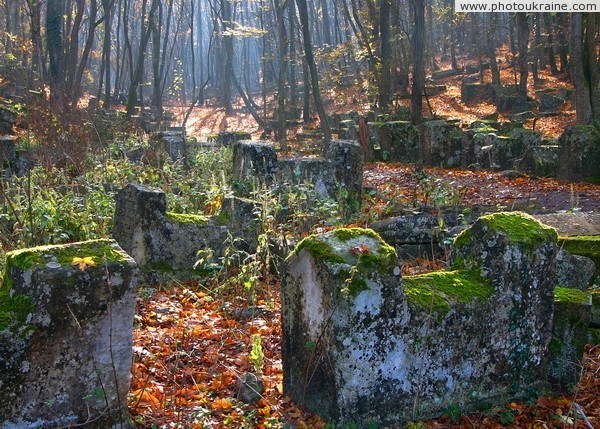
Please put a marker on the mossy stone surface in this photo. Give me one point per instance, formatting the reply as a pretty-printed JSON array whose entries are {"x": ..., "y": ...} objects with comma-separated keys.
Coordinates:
[
  {"x": 187, "y": 218},
  {"x": 99, "y": 250},
  {"x": 583, "y": 245},
  {"x": 571, "y": 296},
  {"x": 439, "y": 290},
  {"x": 359, "y": 247},
  {"x": 519, "y": 228},
  {"x": 14, "y": 309}
]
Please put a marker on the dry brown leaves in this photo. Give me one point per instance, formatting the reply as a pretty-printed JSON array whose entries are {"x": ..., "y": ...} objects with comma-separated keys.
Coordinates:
[
  {"x": 406, "y": 187},
  {"x": 190, "y": 348}
]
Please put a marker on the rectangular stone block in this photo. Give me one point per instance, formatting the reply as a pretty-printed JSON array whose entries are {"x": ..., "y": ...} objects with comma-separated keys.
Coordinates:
[
  {"x": 66, "y": 326},
  {"x": 362, "y": 345}
]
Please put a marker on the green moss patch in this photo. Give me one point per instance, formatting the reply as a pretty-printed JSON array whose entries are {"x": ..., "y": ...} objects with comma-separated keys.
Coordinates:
[
  {"x": 320, "y": 250},
  {"x": 359, "y": 247},
  {"x": 518, "y": 227},
  {"x": 583, "y": 245},
  {"x": 64, "y": 254},
  {"x": 571, "y": 296},
  {"x": 187, "y": 218},
  {"x": 14, "y": 309},
  {"x": 437, "y": 290}
]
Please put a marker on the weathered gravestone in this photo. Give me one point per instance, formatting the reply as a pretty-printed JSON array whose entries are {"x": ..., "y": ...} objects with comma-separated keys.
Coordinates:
[
  {"x": 229, "y": 138},
  {"x": 441, "y": 144},
  {"x": 340, "y": 168},
  {"x": 7, "y": 152},
  {"x": 363, "y": 345},
  {"x": 172, "y": 142},
  {"x": 395, "y": 141},
  {"x": 8, "y": 117},
  {"x": 579, "y": 158},
  {"x": 254, "y": 160},
  {"x": 160, "y": 241},
  {"x": 66, "y": 336}
]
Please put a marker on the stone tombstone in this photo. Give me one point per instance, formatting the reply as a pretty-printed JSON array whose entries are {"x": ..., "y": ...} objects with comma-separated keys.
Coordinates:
[
  {"x": 579, "y": 158},
  {"x": 7, "y": 152},
  {"x": 475, "y": 91},
  {"x": 362, "y": 345},
  {"x": 548, "y": 101},
  {"x": 574, "y": 271},
  {"x": 318, "y": 172},
  {"x": 66, "y": 331},
  {"x": 8, "y": 117},
  {"x": 441, "y": 144},
  {"x": 172, "y": 142},
  {"x": 229, "y": 138},
  {"x": 139, "y": 208},
  {"x": 254, "y": 160},
  {"x": 347, "y": 159},
  {"x": 394, "y": 141},
  {"x": 162, "y": 241},
  {"x": 572, "y": 311}
]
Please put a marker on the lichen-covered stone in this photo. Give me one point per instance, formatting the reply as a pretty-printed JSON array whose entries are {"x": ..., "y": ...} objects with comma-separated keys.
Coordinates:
[
  {"x": 395, "y": 141},
  {"x": 476, "y": 91},
  {"x": 347, "y": 159},
  {"x": 171, "y": 142},
  {"x": 229, "y": 138},
  {"x": 360, "y": 345},
  {"x": 569, "y": 224},
  {"x": 254, "y": 160},
  {"x": 423, "y": 230},
  {"x": 7, "y": 152},
  {"x": 441, "y": 143},
  {"x": 569, "y": 336},
  {"x": 8, "y": 117},
  {"x": 583, "y": 245},
  {"x": 548, "y": 101},
  {"x": 159, "y": 241},
  {"x": 485, "y": 148},
  {"x": 66, "y": 335},
  {"x": 574, "y": 271},
  {"x": 317, "y": 172},
  {"x": 579, "y": 154}
]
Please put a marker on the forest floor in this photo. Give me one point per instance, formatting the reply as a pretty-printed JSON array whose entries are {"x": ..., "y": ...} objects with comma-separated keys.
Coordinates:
[
  {"x": 192, "y": 345},
  {"x": 193, "y": 341}
]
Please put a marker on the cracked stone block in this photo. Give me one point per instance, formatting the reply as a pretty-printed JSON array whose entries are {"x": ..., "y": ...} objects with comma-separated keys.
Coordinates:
[{"x": 364, "y": 345}]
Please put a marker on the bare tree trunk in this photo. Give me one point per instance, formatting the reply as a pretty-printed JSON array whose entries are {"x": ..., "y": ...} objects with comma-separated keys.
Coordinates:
[
  {"x": 491, "y": 48},
  {"x": 54, "y": 40},
  {"x": 283, "y": 53},
  {"x": 92, "y": 25},
  {"x": 385, "y": 48},
  {"x": 139, "y": 66},
  {"x": 37, "y": 60},
  {"x": 314, "y": 77},
  {"x": 416, "y": 104},
  {"x": 523, "y": 34},
  {"x": 550, "y": 46}
]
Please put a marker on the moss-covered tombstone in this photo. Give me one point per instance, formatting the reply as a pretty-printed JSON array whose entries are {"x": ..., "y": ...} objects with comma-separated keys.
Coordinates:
[
  {"x": 392, "y": 349},
  {"x": 66, "y": 325},
  {"x": 569, "y": 335}
]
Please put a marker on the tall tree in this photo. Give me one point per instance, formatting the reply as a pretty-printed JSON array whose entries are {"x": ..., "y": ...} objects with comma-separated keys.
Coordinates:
[
  {"x": 310, "y": 61},
  {"x": 54, "y": 41},
  {"x": 416, "y": 105},
  {"x": 283, "y": 53},
  {"x": 584, "y": 68},
  {"x": 523, "y": 41},
  {"x": 385, "y": 49}
]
